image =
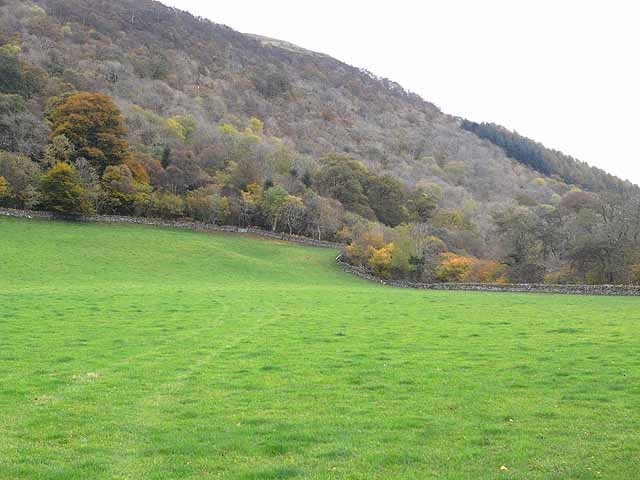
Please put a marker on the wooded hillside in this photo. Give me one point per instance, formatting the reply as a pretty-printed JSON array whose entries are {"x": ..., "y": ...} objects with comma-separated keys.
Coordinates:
[{"x": 133, "y": 107}]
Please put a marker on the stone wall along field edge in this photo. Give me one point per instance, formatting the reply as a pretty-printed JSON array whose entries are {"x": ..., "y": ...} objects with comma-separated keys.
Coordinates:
[{"x": 611, "y": 290}]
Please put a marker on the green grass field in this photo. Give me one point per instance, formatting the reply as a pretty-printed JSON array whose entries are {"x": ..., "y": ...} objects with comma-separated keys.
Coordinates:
[{"x": 141, "y": 353}]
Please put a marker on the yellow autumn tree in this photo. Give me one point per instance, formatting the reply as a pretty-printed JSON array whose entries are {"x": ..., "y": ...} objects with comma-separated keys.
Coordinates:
[
  {"x": 453, "y": 267},
  {"x": 182, "y": 126},
  {"x": 359, "y": 251},
  {"x": 62, "y": 191},
  {"x": 255, "y": 127},
  {"x": 5, "y": 190},
  {"x": 381, "y": 260}
]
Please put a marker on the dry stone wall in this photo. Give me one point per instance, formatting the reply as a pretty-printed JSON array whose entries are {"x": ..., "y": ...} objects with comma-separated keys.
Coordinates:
[
  {"x": 613, "y": 290},
  {"x": 183, "y": 224}
]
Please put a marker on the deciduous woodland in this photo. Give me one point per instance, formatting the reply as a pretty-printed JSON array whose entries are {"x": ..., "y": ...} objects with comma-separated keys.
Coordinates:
[{"x": 130, "y": 107}]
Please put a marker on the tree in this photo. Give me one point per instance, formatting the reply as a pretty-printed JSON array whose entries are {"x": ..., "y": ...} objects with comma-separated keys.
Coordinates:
[
  {"x": 421, "y": 249},
  {"x": 59, "y": 150},
  {"x": 274, "y": 198},
  {"x": 94, "y": 126},
  {"x": 603, "y": 239},
  {"x": 292, "y": 213},
  {"x": 427, "y": 263},
  {"x": 165, "y": 205},
  {"x": 486, "y": 271},
  {"x": 182, "y": 126},
  {"x": 519, "y": 232},
  {"x": 62, "y": 191},
  {"x": 123, "y": 192},
  {"x": 454, "y": 267},
  {"x": 90, "y": 182},
  {"x": 273, "y": 83},
  {"x": 381, "y": 260},
  {"x": 5, "y": 190},
  {"x": 18, "y": 77},
  {"x": 251, "y": 202},
  {"x": 343, "y": 178},
  {"x": 204, "y": 205},
  {"x": 21, "y": 130},
  {"x": 324, "y": 215},
  {"x": 365, "y": 242},
  {"x": 166, "y": 156},
  {"x": 515, "y": 146},
  {"x": 184, "y": 173},
  {"x": 23, "y": 176},
  {"x": 10, "y": 73},
  {"x": 386, "y": 196},
  {"x": 255, "y": 126},
  {"x": 422, "y": 203}
]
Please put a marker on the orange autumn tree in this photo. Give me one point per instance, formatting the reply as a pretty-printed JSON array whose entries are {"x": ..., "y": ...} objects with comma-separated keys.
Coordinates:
[
  {"x": 463, "y": 268},
  {"x": 486, "y": 271},
  {"x": 94, "y": 126}
]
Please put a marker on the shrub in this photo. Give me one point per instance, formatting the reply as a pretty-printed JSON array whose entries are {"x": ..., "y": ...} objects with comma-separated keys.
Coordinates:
[
  {"x": 380, "y": 260},
  {"x": 206, "y": 205},
  {"x": 23, "y": 176},
  {"x": 62, "y": 191},
  {"x": 453, "y": 267},
  {"x": 563, "y": 276},
  {"x": 359, "y": 251},
  {"x": 123, "y": 194},
  {"x": 486, "y": 271},
  {"x": 166, "y": 205}
]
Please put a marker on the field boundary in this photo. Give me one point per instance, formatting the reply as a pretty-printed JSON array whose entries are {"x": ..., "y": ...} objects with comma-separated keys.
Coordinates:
[
  {"x": 609, "y": 290},
  {"x": 606, "y": 290},
  {"x": 180, "y": 224}
]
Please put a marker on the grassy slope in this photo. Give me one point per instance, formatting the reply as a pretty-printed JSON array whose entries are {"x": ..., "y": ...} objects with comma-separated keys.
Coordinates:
[{"x": 130, "y": 352}]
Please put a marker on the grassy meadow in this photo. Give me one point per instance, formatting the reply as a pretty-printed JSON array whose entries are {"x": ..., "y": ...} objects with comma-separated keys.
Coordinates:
[{"x": 131, "y": 352}]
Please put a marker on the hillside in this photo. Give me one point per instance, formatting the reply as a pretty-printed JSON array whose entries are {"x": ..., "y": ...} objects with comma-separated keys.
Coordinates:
[
  {"x": 170, "y": 63},
  {"x": 548, "y": 161},
  {"x": 215, "y": 117},
  {"x": 138, "y": 352}
]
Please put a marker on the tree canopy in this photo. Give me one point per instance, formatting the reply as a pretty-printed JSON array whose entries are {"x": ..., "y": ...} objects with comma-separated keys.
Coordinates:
[
  {"x": 94, "y": 126},
  {"x": 62, "y": 191}
]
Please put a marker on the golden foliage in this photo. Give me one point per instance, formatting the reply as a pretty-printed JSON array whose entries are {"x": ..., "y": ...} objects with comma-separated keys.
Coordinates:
[
  {"x": 182, "y": 126},
  {"x": 94, "y": 126},
  {"x": 5, "y": 188},
  {"x": 380, "y": 260},
  {"x": 454, "y": 267},
  {"x": 138, "y": 170},
  {"x": 486, "y": 271},
  {"x": 62, "y": 191}
]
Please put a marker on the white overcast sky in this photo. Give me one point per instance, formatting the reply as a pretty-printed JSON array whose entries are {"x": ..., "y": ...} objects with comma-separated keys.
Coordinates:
[{"x": 565, "y": 73}]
